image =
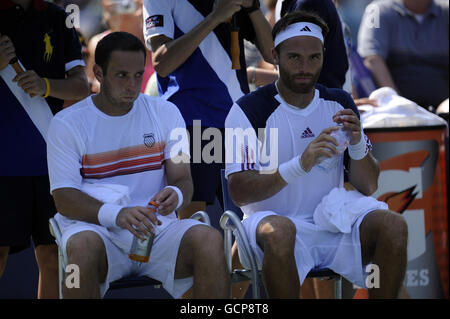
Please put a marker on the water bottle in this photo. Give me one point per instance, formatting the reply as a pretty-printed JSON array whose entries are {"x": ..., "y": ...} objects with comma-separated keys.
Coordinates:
[
  {"x": 342, "y": 136},
  {"x": 140, "y": 249}
]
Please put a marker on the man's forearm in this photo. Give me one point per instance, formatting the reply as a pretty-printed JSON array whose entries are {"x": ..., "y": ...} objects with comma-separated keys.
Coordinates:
[
  {"x": 247, "y": 187},
  {"x": 170, "y": 55},
  {"x": 263, "y": 31},
  {"x": 364, "y": 174},
  {"x": 74, "y": 87},
  {"x": 75, "y": 204},
  {"x": 380, "y": 71}
]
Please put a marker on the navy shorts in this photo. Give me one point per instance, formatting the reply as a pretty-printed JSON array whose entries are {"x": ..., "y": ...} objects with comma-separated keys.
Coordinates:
[
  {"x": 27, "y": 206},
  {"x": 206, "y": 176}
]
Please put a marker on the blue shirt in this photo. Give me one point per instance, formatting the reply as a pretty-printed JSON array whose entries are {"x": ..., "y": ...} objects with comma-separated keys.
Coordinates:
[
  {"x": 204, "y": 86},
  {"x": 33, "y": 33}
]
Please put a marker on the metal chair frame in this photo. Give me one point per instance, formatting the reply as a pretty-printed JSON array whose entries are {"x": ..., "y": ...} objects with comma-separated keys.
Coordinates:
[
  {"x": 126, "y": 282},
  {"x": 230, "y": 222}
]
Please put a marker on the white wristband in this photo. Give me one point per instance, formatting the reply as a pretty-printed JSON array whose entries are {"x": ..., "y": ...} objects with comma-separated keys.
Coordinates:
[
  {"x": 359, "y": 150},
  {"x": 179, "y": 193},
  {"x": 107, "y": 215},
  {"x": 292, "y": 169}
]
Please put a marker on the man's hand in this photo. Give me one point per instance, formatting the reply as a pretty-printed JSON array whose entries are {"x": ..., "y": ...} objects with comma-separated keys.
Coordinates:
[
  {"x": 7, "y": 51},
  {"x": 167, "y": 200},
  {"x": 226, "y": 8},
  {"x": 31, "y": 83},
  {"x": 138, "y": 220},
  {"x": 351, "y": 122},
  {"x": 322, "y": 145}
]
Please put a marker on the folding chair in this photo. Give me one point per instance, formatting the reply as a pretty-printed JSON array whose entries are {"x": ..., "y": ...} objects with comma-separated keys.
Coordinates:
[
  {"x": 126, "y": 282},
  {"x": 230, "y": 222}
]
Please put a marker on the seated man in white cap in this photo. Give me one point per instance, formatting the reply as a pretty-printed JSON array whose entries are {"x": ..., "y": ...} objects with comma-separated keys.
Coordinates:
[{"x": 293, "y": 122}]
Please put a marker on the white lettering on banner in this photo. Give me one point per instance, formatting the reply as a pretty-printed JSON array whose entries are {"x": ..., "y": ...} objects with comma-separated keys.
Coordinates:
[{"x": 417, "y": 278}]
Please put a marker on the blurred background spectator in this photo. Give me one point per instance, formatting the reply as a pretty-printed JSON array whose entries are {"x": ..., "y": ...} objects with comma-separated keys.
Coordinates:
[
  {"x": 259, "y": 72},
  {"x": 405, "y": 45},
  {"x": 119, "y": 15},
  {"x": 92, "y": 22},
  {"x": 100, "y": 17}
]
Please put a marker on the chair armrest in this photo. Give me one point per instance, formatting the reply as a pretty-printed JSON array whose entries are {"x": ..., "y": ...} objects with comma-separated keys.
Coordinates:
[{"x": 201, "y": 216}]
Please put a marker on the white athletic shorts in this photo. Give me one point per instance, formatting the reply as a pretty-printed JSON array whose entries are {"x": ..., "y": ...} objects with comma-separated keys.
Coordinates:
[
  {"x": 163, "y": 255},
  {"x": 314, "y": 248}
]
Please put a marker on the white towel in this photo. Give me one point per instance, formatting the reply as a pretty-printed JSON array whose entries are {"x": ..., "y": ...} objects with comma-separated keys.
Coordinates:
[
  {"x": 339, "y": 210},
  {"x": 108, "y": 193},
  {"x": 395, "y": 111},
  {"x": 36, "y": 107}
]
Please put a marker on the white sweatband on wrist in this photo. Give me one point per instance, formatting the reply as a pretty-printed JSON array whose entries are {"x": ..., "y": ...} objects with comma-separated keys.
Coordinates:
[
  {"x": 179, "y": 193},
  {"x": 107, "y": 215},
  {"x": 292, "y": 169},
  {"x": 359, "y": 150}
]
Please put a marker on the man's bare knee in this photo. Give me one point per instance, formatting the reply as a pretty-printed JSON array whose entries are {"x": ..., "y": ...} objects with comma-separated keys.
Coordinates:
[
  {"x": 382, "y": 227},
  {"x": 207, "y": 242},
  {"x": 395, "y": 230},
  {"x": 200, "y": 245},
  {"x": 47, "y": 257},
  {"x": 277, "y": 234},
  {"x": 87, "y": 250}
]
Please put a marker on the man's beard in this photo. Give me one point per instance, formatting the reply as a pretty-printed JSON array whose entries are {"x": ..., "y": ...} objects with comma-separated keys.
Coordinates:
[{"x": 302, "y": 88}]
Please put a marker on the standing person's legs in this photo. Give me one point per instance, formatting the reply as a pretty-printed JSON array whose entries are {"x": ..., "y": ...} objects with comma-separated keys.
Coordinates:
[
  {"x": 46, "y": 250},
  {"x": 16, "y": 193},
  {"x": 27, "y": 207},
  {"x": 47, "y": 260},
  {"x": 384, "y": 237}
]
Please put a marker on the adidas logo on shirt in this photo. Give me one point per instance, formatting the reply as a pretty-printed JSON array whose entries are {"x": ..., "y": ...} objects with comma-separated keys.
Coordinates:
[
  {"x": 306, "y": 29},
  {"x": 307, "y": 133}
]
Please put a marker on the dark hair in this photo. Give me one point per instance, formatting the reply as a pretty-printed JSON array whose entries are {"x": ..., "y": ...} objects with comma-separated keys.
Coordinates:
[
  {"x": 116, "y": 41},
  {"x": 299, "y": 16}
]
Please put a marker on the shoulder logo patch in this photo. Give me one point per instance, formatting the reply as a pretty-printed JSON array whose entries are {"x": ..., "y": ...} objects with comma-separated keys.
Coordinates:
[{"x": 154, "y": 21}]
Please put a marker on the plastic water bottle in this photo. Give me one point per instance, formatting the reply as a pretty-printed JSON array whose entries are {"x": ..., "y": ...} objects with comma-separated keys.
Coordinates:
[
  {"x": 140, "y": 249},
  {"x": 342, "y": 136}
]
